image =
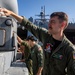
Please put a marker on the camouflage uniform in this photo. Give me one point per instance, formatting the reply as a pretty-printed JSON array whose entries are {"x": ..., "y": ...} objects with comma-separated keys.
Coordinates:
[
  {"x": 33, "y": 57},
  {"x": 37, "y": 57},
  {"x": 59, "y": 59},
  {"x": 27, "y": 57}
]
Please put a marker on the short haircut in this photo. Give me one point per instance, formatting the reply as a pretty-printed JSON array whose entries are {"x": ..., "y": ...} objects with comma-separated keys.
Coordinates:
[
  {"x": 61, "y": 16},
  {"x": 31, "y": 38}
]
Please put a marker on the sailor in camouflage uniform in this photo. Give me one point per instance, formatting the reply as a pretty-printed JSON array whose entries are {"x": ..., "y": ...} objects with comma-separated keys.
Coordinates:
[
  {"x": 24, "y": 47},
  {"x": 36, "y": 55},
  {"x": 33, "y": 56},
  {"x": 59, "y": 52}
]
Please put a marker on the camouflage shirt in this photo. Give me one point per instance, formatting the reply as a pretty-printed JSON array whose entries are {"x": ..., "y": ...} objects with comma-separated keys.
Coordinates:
[{"x": 37, "y": 57}]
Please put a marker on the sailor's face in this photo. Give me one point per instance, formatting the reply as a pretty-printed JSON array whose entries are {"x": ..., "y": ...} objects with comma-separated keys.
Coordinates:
[{"x": 54, "y": 25}]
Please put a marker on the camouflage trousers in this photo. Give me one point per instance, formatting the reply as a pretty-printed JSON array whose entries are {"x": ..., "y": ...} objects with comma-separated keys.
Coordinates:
[{"x": 29, "y": 66}]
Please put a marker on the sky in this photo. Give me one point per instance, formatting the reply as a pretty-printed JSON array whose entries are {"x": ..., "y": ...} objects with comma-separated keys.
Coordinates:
[{"x": 30, "y": 8}]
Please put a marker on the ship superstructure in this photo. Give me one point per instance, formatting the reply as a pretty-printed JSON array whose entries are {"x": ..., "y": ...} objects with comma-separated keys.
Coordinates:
[{"x": 42, "y": 21}]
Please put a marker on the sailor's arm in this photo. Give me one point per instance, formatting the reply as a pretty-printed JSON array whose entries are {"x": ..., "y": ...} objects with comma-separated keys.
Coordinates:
[
  {"x": 71, "y": 60},
  {"x": 40, "y": 60},
  {"x": 39, "y": 71},
  {"x": 19, "y": 40},
  {"x": 17, "y": 17},
  {"x": 10, "y": 13}
]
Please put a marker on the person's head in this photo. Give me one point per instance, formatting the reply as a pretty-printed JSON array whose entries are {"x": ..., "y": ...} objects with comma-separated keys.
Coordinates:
[
  {"x": 30, "y": 40},
  {"x": 58, "y": 22}
]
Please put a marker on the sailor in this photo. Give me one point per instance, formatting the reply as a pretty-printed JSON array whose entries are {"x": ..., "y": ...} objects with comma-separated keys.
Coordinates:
[
  {"x": 26, "y": 53},
  {"x": 36, "y": 55},
  {"x": 59, "y": 52},
  {"x": 33, "y": 56}
]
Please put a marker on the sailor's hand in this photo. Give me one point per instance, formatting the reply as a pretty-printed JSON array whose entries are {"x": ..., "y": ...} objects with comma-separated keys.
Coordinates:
[
  {"x": 6, "y": 11},
  {"x": 38, "y": 73}
]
